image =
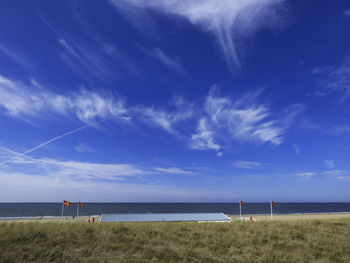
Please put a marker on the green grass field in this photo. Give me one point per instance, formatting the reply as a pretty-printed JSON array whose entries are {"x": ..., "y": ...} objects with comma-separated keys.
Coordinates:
[{"x": 279, "y": 241}]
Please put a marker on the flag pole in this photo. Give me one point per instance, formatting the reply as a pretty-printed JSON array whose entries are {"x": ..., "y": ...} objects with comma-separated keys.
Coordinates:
[
  {"x": 271, "y": 209},
  {"x": 62, "y": 208},
  {"x": 77, "y": 210},
  {"x": 240, "y": 210}
]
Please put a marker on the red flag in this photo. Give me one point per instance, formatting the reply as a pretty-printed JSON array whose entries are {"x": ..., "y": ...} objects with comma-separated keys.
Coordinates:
[
  {"x": 66, "y": 203},
  {"x": 242, "y": 203},
  {"x": 273, "y": 203},
  {"x": 81, "y": 205}
]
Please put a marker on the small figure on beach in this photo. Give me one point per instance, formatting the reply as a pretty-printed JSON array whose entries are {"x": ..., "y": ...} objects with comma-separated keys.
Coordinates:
[{"x": 93, "y": 220}]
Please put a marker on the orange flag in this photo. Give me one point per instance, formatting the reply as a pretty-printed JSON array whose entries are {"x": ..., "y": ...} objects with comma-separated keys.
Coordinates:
[
  {"x": 81, "y": 205},
  {"x": 66, "y": 203},
  {"x": 273, "y": 203},
  {"x": 242, "y": 203}
]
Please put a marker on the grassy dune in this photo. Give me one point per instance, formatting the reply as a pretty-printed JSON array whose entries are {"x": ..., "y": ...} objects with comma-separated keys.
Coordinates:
[{"x": 279, "y": 241}]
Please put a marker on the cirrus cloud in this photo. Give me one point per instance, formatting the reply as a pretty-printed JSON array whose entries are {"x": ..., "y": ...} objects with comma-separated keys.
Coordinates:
[
  {"x": 227, "y": 20},
  {"x": 216, "y": 121},
  {"x": 22, "y": 100},
  {"x": 172, "y": 170},
  {"x": 245, "y": 164},
  {"x": 306, "y": 174},
  {"x": 226, "y": 120}
]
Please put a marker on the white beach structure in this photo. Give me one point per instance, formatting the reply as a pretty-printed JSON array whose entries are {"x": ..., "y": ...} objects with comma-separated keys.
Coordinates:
[{"x": 166, "y": 217}]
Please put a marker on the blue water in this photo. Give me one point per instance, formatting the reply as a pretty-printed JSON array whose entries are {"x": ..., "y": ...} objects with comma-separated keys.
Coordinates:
[{"x": 54, "y": 209}]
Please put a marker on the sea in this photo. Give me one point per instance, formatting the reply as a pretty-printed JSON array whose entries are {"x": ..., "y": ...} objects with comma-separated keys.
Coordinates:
[{"x": 25, "y": 210}]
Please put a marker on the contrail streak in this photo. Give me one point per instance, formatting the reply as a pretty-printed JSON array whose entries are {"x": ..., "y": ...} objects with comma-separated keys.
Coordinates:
[{"x": 43, "y": 144}]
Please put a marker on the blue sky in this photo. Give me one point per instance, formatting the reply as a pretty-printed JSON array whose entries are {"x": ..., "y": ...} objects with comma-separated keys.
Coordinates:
[{"x": 174, "y": 101}]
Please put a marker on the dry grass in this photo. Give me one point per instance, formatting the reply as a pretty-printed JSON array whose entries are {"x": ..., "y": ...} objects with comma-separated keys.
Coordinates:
[{"x": 279, "y": 241}]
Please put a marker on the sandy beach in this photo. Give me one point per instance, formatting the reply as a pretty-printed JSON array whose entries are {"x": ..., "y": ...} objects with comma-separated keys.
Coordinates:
[
  {"x": 257, "y": 217},
  {"x": 279, "y": 217}
]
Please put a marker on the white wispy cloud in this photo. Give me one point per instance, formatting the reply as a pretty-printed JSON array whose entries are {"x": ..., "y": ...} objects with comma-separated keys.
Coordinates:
[
  {"x": 242, "y": 119},
  {"x": 320, "y": 70},
  {"x": 306, "y": 174},
  {"x": 75, "y": 170},
  {"x": 78, "y": 170},
  {"x": 340, "y": 129},
  {"x": 167, "y": 119},
  {"x": 245, "y": 164},
  {"x": 203, "y": 138},
  {"x": 343, "y": 178},
  {"x": 22, "y": 100},
  {"x": 214, "y": 122},
  {"x": 340, "y": 175},
  {"x": 296, "y": 148},
  {"x": 92, "y": 170},
  {"x": 16, "y": 56},
  {"x": 36, "y": 188},
  {"x": 329, "y": 164},
  {"x": 168, "y": 61},
  {"x": 334, "y": 172},
  {"x": 347, "y": 13},
  {"x": 48, "y": 179},
  {"x": 159, "y": 118},
  {"x": 229, "y": 21},
  {"x": 335, "y": 78},
  {"x": 83, "y": 147},
  {"x": 92, "y": 59},
  {"x": 86, "y": 52},
  {"x": 172, "y": 170}
]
